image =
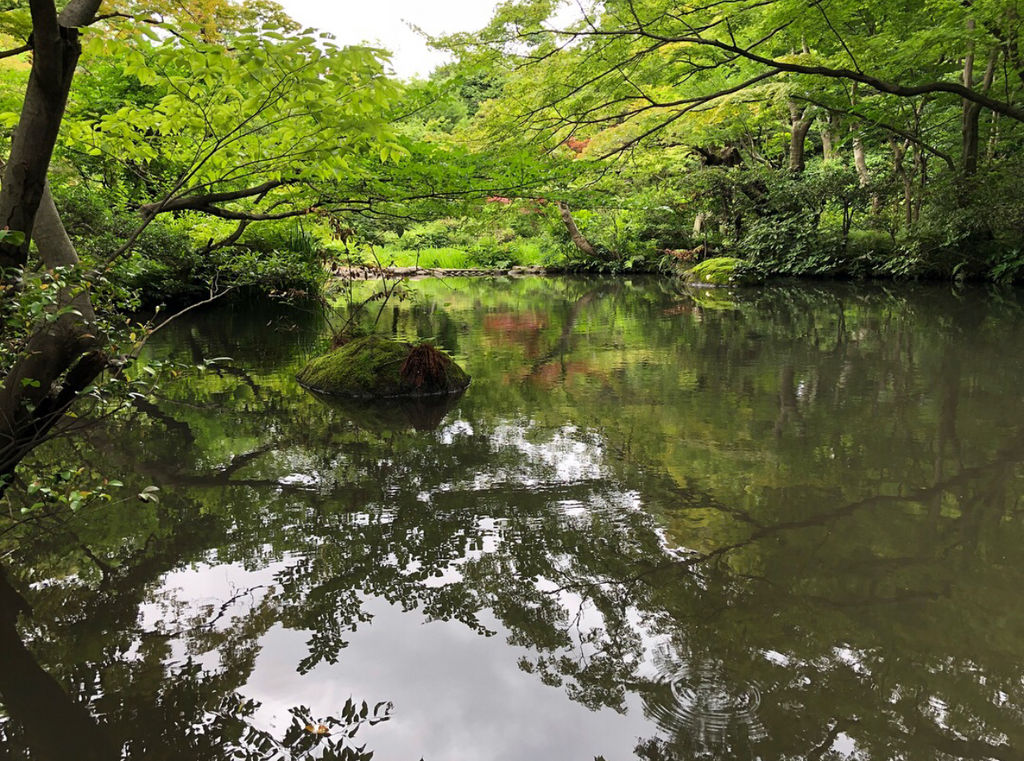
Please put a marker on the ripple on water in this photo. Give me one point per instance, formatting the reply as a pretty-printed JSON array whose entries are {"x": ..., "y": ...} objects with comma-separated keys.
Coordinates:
[{"x": 706, "y": 705}]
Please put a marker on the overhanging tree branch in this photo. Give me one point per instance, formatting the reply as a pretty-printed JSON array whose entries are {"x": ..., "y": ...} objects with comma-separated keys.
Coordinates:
[
  {"x": 205, "y": 200},
  {"x": 850, "y": 75}
]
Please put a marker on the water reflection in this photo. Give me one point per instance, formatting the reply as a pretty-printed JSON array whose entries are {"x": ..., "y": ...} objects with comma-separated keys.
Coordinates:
[
  {"x": 420, "y": 413},
  {"x": 781, "y": 524}
]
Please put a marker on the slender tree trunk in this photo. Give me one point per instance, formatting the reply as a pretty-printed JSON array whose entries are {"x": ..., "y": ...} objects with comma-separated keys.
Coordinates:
[
  {"x": 578, "y": 239},
  {"x": 899, "y": 151},
  {"x": 860, "y": 158},
  {"x": 993, "y": 138},
  {"x": 970, "y": 139},
  {"x": 971, "y": 118},
  {"x": 863, "y": 175},
  {"x": 828, "y": 150},
  {"x": 920, "y": 164},
  {"x": 921, "y": 168},
  {"x": 860, "y": 162}
]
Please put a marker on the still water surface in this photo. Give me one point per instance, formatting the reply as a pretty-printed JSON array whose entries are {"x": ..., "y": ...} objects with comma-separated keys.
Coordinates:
[{"x": 778, "y": 524}]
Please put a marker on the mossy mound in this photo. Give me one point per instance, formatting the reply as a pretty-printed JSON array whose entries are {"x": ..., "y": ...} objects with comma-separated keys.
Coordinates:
[
  {"x": 373, "y": 367},
  {"x": 721, "y": 270}
]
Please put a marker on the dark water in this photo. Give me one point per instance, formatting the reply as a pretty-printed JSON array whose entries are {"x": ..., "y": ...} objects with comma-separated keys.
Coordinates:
[{"x": 785, "y": 524}]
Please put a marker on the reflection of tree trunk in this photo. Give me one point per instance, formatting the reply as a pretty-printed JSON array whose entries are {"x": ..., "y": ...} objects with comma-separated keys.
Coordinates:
[
  {"x": 946, "y": 744},
  {"x": 179, "y": 428},
  {"x": 578, "y": 239},
  {"x": 945, "y": 435},
  {"x": 562, "y": 345},
  {"x": 55, "y": 726},
  {"x": 787, "y": 399}
]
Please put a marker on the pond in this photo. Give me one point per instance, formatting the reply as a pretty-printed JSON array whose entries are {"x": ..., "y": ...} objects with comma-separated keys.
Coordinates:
[{"x": 776, "y": 523}]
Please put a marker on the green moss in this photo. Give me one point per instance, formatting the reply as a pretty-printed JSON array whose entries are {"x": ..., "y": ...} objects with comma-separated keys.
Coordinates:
[
  {"x": 718, "y": 271},
  {"x": 371, "y": 367}
]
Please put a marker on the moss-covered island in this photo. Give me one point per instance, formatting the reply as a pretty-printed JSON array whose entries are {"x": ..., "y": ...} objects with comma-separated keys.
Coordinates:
[{"x": 374, "y": 367}]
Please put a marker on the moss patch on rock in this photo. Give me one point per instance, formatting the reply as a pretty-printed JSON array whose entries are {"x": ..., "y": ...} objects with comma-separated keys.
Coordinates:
[
  {"x": 721, "y": 270},
  {"x": 374, "y": 367}
]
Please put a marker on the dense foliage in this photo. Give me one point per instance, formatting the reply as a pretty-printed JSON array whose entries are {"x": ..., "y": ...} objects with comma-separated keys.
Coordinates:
[
  {"x": 162, "y": 155},
  {"x": 856, "y": 140}
]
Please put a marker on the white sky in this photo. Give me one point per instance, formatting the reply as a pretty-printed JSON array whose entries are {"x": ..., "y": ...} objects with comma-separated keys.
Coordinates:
[{"x": 386, "y": 23}]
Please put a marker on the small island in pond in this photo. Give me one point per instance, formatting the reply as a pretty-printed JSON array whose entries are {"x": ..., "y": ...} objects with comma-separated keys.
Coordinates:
[{"x": 374, "y": 367}]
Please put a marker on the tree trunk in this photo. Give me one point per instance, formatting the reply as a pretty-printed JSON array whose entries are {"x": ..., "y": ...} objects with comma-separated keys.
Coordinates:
[
  {"x": 584, "y": 245},
  {"x": 972, "y": 111},
  {"x": 899, "y": 152},
  {"x": 969, "y": 119},
  {"x": 860, "y": 158},
  {"x": 828, "y": 150},
  {"x": 921, "y": 167},
  {"x": 799, "y": 124},
  {"x": 56, "y": 50},
  {"x": 993, "y": 138},
  {"x": 61, "y": 358},
  {"x": 860, "y": 161}
]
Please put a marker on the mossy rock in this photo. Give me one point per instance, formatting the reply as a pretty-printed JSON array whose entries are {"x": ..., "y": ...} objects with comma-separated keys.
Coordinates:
[
  {"x": 721, "y": 270},
  {"x": 374, "y": 367}
]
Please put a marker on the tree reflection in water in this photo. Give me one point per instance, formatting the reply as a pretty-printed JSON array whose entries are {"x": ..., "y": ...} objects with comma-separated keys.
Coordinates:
[{"x": 784, "y": 525}]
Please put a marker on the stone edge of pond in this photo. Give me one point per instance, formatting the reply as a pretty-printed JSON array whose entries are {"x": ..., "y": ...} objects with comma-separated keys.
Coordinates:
[{"x": 373, "y": 273}]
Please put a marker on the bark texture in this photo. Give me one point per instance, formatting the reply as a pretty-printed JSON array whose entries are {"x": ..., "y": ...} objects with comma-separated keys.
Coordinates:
[{"x": 799, "y": 124}]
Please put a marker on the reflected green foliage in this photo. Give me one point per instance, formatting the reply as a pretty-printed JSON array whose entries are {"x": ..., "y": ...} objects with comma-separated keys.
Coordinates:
[{"x": 780, "y": 525}]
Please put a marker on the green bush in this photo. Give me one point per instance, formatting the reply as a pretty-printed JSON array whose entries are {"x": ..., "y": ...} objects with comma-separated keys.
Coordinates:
[{"x": 170, "y": 261}]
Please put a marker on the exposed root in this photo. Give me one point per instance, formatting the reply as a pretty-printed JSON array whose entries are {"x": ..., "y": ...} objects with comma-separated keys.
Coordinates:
[{"x": 425, "y": 369}]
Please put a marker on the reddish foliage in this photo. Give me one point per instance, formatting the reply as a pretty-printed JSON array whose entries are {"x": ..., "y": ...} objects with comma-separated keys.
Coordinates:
[
  {"x": 686, "y": 254},
  {"x": 576, "y": 145}
]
